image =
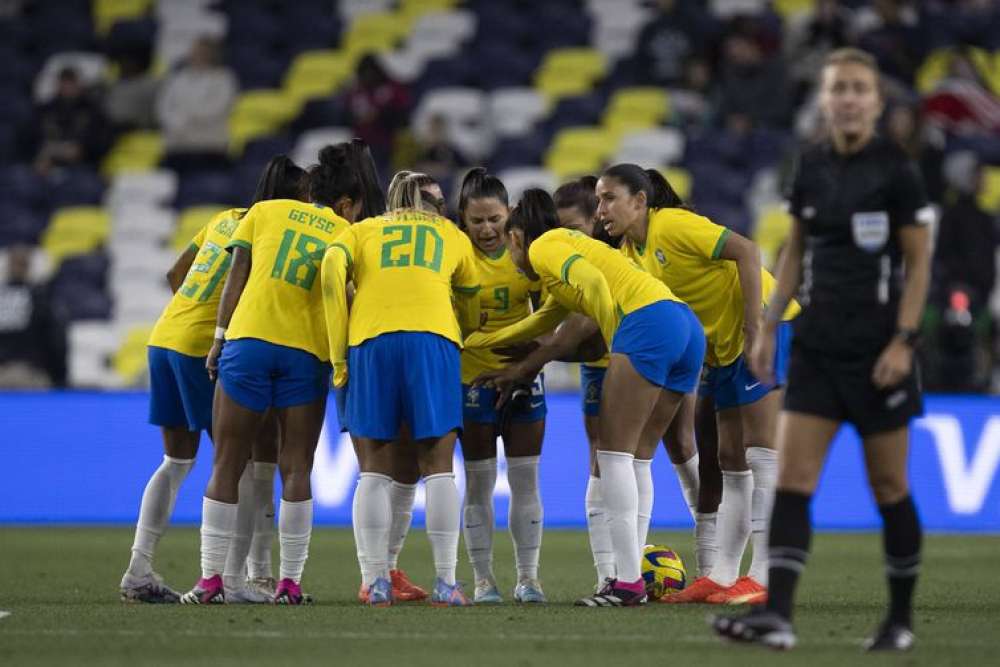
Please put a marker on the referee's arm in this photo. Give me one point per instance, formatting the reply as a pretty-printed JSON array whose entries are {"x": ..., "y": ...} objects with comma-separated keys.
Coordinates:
[{"x": 788, "y": 274}]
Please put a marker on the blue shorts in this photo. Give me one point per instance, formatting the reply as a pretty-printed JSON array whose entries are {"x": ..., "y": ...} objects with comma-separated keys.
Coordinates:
[
  {"x": 260, "y": 375},
  {"x": 404, "y": 376},
  {"x": 478, "y": 405},
  {"x": 734, "y": 385},
  {"x": 340, "y": 400},
  {"x": 665, "y": 343},
  {"x": 180, "y": 392},
  {"x": 591, "y": 385}
]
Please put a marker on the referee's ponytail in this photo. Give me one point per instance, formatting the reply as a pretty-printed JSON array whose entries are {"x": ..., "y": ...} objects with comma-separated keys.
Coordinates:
[
  {"x": 659, "y": 192},
  {"x": 534, "y": 215}
]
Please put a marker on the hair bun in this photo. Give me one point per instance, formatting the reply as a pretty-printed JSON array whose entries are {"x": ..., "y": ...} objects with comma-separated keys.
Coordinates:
[{"x": 334, "y": 156}]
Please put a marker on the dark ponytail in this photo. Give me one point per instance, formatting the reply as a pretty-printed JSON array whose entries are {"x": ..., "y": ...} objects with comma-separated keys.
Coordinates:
[
  {"x": 372, "y": 198},
  {"x": 281, "y": 179},
  {"x": 335, "y": 176},
  {"x": 479, "y": 184},
  {"x": 659, "y": 193},
  {"x": 579, "y": 194},
  {"x": 535, "y": 214}
]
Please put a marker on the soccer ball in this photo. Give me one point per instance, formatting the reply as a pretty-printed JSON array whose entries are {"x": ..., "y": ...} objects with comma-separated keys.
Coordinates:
[{"x": 663, "y": 571}]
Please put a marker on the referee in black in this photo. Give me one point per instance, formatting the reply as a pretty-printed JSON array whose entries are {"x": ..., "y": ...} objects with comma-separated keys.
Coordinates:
[{"x": 859, "y": 255}]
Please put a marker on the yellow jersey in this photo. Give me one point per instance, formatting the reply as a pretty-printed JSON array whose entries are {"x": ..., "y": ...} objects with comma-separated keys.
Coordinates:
[
  {"x": 411, "y": 271},
  {"x": 282, "y": 303},
  {"x": 187, "y": 324},
  {"x": 580, "y": 275},
  {"x": 682, "y": 249},
  {"x": 505, "y": 296}
]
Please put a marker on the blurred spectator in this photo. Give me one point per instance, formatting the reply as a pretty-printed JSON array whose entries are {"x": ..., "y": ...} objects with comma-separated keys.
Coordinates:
[
  {"x": 812, "y": 35},
  {"x": 962, "y": 102},
  {"x": 437, "y": 156},
  {"x": 923, "y": 144},
  {"x": 683, "y": 29},
  {"x": 193, "y": 109},
  {"x": 378, "y": 106},
  {"x": 890, "y": 31},
  {"x": 32, "y": 335},
  {"x": 752, "y": 83},
  {"x": 689, "y": 105},
  {"x": 70, "y": 129},
  {"x": 131, "y": 100}
]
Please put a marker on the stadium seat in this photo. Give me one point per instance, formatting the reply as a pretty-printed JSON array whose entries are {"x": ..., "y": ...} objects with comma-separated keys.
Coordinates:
[
  {"x": 519, "y": 179},
  {"x": 679, "y": 179},
  {"x": 148, "y": 222},
  {"x": 647, "y": 101},
  {"x": 770, "y": 231},
  {"x": 651, "y": 148},
  {"x": 466, "y": 115},
  {"x": 129, "y": 361},
  {"x": 190, "y": 223},
  {"x": 989, "y": 193},
  {"x": 177, "y": 33},
  {"x": 571, "y": 71},
  {"x": 109, "y": 12},
  {"x": 316, "y": 74},
  {"x": 352, "y": 9},
  {"x": 727, "y": 9},
  {"x": 454, "y": 27},
  {"x": 375, "y": 32},
  {"x": 199, "y": 187},
  {"x": 515, "y": 111},
  {"x": 91, "y": 344},
  {"x": 21, "y": 224},
  {"x": 616, "y": 32},
  {"x": 306, "y": 151},
  {"x": 74, "y": 231},
  {"x": 406, "y": 66},
  {"x": 260, "y": 112},
  {"x": 134, "y": 151},
  {"x": 151, "y": 187},
  {"x": 576, "y": 151},
  {"x": 416, "y": 8},
  {"x": 90, "y": 67}
]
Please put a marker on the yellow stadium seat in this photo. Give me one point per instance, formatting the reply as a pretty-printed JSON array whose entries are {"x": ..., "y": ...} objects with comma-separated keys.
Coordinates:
[
  {"x": 933, "y": 69},
  {"x": 580, "y": 150},
  {"x": 628, "y": 120},
  {"x": 75, "y": 230},
  {"x": 109, "y": 12},
  {"x": 770, "y": 232},
  {"x": 679, "y": 179},
  {"x": 572, "y": 165},
  {"x": 260, "y": 112},
  {"x": 648, "y": 100},
  {"x": 989, "y": 193},
  {"x": 572, "y": 71},
  {"x": 789, "y": 8},
  {"x": 316, "y": 74},
  {"x": 130, "y": 359},
  {"x": 416, "y": 8},
  {"x": 375, "y": 32},
  {"x": 134, "y": 151},
  {"x": 190, "y": 222}
]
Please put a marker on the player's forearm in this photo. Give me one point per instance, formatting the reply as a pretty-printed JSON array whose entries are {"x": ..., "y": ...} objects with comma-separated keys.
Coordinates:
[
  {"x": 574, "y": 331},
  {"x": 177, "y": 272},
  {"x": 467, "y": 308},
  {"x": 538, "y": 323},
  {"x": 333, "y": 280},
  {"x": 747, "y": 257},
  {"x": 917, "y": 256},
  {"x": 236, "y": 282},
  {"x": 788, "y": 274}
]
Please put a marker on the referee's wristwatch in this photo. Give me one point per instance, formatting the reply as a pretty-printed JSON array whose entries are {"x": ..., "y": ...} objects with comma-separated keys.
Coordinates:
[{"x": 909, "y": 337}]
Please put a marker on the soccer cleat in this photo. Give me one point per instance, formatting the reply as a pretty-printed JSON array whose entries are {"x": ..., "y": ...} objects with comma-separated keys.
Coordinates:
[
  {"x": 380, "y": 593},
  {"x": 249, "y": 594},
  {"x": 616, "y": 594},
  {"x": 149, "y": 589},
  {"x": 756, "y": 627},
  {"x": 486, "y": 591},
  {"x": 449, "y": 595},
  {"x": 529, "y": 591},
  {"x": 264, "y": 585},
  {"x": 404, "y": 590},
  {"x": 753, "y": 599},
  {"x": 363, "y": 594},
  {"x": 890, "y": 637},
  {"x": 206, "y": 591},
  {"x": 290, "y": 593},
  {"x": 743, "y": 587},
  {"x": 698, "y": 591}
]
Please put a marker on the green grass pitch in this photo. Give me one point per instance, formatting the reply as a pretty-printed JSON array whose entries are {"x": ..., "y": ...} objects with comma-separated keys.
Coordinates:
[{"x": 60, "y": 587}]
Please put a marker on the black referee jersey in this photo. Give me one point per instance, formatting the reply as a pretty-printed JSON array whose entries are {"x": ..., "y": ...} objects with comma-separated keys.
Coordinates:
[{"x": 851, "y": 208}]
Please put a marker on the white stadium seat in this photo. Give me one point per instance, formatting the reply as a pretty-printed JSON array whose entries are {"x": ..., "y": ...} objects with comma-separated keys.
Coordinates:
[
  {"x": 515, "y": 111},
  {"x": 89, "y": 66},
  {"x": 519, "y": 179},
  {"x": 141, "y": 187},
  {"x": 651, "y": 148},
  {"x": 306, "y": 151},
  {"x": 465, "y": 112}
]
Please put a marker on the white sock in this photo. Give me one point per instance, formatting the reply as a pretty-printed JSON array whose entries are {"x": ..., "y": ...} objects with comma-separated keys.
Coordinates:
[
  {"x": 442, "y": 523},
  {"x": 295, "y": 523},
  {"x": 525, "y": 514},
  {"x": 600, "y": 536},
  {"x": 366, "y": 575},
  {"x": 235, "y": 573},
  {"x": 401, "y": 497},
  {"x": 687, "y": 475},
  {"x": 621, "y": 502},
  {"x": 644, "y": 485},
  {"x": 733, "y": 525},
  {"x": 154, "y": 512},
  {"x": 478, "y": 517},
  {"x": 372, "y": 522},
  {"x": 259, "y": 562},
  {"x": 218, "y": 523},
  {"x": 764, "y": 465},
  {"x": 706, "y": 547}
]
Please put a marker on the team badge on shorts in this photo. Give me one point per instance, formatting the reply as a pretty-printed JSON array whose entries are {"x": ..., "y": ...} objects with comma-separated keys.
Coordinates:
[{"x": 472, "y": 397}]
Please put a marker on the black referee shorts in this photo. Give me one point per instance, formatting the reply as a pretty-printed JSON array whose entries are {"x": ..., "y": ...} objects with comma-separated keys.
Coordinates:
[{"x": 842, "y": 390}]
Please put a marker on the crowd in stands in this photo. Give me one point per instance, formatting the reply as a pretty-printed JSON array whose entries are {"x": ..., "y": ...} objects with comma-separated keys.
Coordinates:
[{"x": 76, "y": 86}]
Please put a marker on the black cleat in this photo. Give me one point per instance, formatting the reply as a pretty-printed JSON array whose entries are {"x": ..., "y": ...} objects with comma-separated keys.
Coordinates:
[
  {"x": 756, "y": 627},
  {"x": 613, "y": 595},
  {"x": 890, "y": 637}
]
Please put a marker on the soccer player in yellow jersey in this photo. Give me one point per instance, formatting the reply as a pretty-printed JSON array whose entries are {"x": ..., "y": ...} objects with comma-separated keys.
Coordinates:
[
  {"x": 506, "y": 295},
  {"x": 718, "y": 274},
  {"x": 398, "y": 352},
  {"x": 270, "y": 352},
  {"x": 656, "y": 344},
  {"x": 181, "y": 405}
]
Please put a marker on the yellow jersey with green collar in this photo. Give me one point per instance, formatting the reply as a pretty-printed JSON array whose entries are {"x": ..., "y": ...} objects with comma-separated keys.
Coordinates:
[
  {"x": 505, "y": 295},
  {"x": 187, "y": 324},
  {"x": 682, "y": 249},
  {"x": 405, "y": 266},
  {"x": 282, "y": 301}
]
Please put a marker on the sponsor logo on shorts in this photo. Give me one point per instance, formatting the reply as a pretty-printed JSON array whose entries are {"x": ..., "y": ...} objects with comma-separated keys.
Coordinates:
[
  {"x": 593, "y": 392},
  {"x": 895, "y": 399},
  {"x": 751, "y": 387}
]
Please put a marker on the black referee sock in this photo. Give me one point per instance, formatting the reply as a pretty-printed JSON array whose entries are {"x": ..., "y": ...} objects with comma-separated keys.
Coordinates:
[
  {"x": 901, "y": 538},
  {"x": 791, "y": 533}
]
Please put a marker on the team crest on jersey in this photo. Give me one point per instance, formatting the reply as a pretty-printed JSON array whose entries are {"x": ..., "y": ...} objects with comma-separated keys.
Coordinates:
[
  {"x": 870, "y": 229},
  {"x": 472, "y": 397},
  {"x": 660, "y": 257}
]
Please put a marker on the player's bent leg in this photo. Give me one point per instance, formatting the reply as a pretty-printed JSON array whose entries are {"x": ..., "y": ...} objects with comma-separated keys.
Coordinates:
[
  {"x": 733, "y": 525},
  {"x": 709, "y": 486},
  {"x": 759, "y": 422},
  {"x": 597, "y": 525},
  {"x": 260, "y": 577},
  {"x": 402, "y": 493},
  {"x": 478, "y": 519}
]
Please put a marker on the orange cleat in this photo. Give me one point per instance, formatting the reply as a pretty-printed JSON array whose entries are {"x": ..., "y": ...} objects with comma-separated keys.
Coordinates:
[
  {"x": 752, "y": 599},
  {"x": 404, "y": 590},
  {"x": 699, "y": 590},
  {"x": 742, "y": 588},
  {"x": 363, "y": 594}
]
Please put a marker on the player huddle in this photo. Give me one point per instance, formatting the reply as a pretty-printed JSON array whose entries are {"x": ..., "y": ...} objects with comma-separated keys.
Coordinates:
[{"x": 429, "y": 329}]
